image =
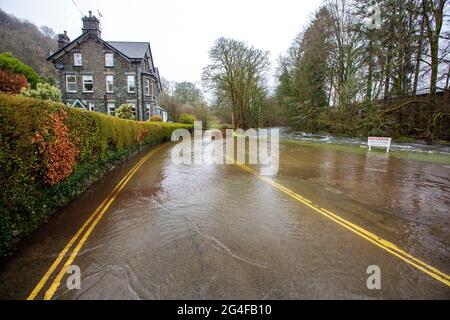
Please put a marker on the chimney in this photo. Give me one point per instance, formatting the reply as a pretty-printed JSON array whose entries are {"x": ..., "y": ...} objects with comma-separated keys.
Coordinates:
[
  {"x": 91, "y": 24},
  {"x": 63, "y": 40}
]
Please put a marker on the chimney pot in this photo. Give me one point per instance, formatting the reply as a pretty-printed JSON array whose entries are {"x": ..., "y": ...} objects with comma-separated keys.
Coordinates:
[
  {"x": 63, "y": 40},
  {"x": 91, "y": 24}
]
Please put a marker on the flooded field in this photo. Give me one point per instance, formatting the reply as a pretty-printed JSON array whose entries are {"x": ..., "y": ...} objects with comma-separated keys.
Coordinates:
[{"x": 218, "y": 232}]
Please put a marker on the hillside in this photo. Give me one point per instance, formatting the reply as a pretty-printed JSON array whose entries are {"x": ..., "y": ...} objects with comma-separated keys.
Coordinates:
[{"x": 27, "y": 42}]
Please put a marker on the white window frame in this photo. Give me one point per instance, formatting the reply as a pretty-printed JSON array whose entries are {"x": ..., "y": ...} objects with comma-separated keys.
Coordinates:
[
  {"x": 111, "y": 77},
  {"x": 85, "y": 81},
  {"x": 129, "y": 77},
  {"x": 148, "y": 109},
  {"x": 147, "y": 87},
  {"x": 109, "y": 59},
  {"x": 91, "y": 106},
  {"x": 133, "y": 107},
  {"x": 78, "y": 59},
  {"x": 74, "y": 83},
  {"x": 111, "y": 105}
]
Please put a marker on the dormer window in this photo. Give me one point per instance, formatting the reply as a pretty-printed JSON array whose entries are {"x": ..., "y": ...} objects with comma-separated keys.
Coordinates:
[
  {"x": 78, "y": 59},
  {"x": 109, "y": 60}
]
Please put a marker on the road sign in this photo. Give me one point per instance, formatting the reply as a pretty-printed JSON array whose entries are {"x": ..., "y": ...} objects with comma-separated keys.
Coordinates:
[{"x": 379, "y": 142}]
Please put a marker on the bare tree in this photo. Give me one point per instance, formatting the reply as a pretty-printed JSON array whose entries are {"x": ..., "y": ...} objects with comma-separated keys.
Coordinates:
[
  {"x": 433, "y": 15},
  {"x": 238, "y": 71}
]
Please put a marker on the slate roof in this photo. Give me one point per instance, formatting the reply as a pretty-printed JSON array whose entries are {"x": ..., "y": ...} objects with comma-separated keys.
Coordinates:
[
  {"x": 133, "y": 50},
  {"x": 130, "y": 50}
]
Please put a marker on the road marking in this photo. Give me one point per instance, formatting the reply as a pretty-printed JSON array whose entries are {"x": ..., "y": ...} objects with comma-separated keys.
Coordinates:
[
  {"x": 100, "y": 209},
  {"x": 378, "y": 241}
]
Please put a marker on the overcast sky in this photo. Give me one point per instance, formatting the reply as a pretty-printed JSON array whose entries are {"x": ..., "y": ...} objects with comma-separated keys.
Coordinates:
[{"x": 180, "y": 31}]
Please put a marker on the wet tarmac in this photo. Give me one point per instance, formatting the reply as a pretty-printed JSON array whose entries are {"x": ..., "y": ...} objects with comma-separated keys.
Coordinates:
[{"x": 218, "y": 232}]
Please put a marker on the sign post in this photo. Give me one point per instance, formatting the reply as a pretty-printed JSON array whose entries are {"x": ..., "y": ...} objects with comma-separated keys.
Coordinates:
[{"x": 379, "y": 142}]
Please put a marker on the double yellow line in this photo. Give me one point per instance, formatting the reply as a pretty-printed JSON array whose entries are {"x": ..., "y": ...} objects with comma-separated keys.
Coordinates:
[
  {"x": 87, "y": 228},
  {"x": 96, "y": 216},
  {"x": 363, "y": 233}
]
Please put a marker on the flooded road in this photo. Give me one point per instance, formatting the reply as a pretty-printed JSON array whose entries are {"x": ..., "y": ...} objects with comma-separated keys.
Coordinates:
[{"x": 219, "y": 232}]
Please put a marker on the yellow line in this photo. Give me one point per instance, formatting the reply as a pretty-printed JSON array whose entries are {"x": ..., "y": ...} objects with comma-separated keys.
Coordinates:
[
  {"x": 107, "y": 201},
  {"x": 380, "y": 242}
]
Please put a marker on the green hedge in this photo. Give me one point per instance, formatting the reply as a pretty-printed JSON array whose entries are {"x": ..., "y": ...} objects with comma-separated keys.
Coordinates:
[
  {"x": 186, "y": 118},
  {"x": 27, "y": 199}
]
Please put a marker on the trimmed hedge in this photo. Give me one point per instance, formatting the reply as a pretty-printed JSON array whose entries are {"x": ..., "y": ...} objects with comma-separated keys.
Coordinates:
[
  {"x": 186, "y": 118},
  {"x": 50, "y": 153}
]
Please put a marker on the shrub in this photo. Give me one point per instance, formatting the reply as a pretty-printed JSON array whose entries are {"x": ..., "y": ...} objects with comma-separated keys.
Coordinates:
[
  {"x": 186, "y": 118},
  {"x": 12, "y": 82},
  {"x": 44, "y": 91},
  {"x": 125, "y": 112},
  {"x": 8, "y": 62},
  {"x": 50, "y": 153},
  {"x": 155, "y": 119},
  {"x": 57, "y": 148}
]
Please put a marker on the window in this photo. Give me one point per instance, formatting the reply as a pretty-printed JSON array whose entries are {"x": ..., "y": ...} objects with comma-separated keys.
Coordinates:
[
  {"x": 91, "y": 106},
  {"x": 111, "y": 109},
  {"x": 131, "y": 84},
  {"x": 88, "y": 83},
  {"x": 109, "y": 84},
  {"x": 71, "y": 83},
  {"x": 148, "y": 109},
  {"x": 109, "y": 60},
  {"x": 77, "y": 59},
  {"x": 153, "y": 89},
  {"x": 147, "y": 87},
  {"x": 133, "y": 107}
]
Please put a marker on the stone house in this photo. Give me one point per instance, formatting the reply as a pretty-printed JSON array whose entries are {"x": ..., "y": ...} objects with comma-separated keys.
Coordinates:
[{"x": 100, "y": 75}]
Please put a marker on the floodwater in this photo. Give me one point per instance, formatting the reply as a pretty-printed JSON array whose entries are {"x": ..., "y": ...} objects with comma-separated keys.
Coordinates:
[
  {"x": 416, "y": 146},
  {"x": 219, "y": 232}
]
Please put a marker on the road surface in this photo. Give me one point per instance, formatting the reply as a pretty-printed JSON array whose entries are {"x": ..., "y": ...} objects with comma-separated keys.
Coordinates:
[{"x": 223, "y": 232}]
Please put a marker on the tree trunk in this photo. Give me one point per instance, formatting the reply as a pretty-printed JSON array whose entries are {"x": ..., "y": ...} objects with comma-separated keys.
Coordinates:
[
  {"x": 434, "y": 47},
  {"x": 370, "y": 74},
  {"x": 388, "y": 74},
  {"x": 432, "y": 10},
  {"x": 419, "y": 56},
  {"x": 447, "y": 89}
]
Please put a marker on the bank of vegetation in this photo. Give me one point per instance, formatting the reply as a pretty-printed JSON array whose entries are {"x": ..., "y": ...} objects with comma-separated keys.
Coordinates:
[
  {"x": 371, "y": 68},
  {"x": 28, "y": 42},
  {"x": 358, "y": 68},
  {"x": 50, "y": 153}
]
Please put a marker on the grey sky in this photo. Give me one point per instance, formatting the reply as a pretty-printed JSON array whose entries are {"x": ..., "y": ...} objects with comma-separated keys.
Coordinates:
[{"x": 180, "y": 31}]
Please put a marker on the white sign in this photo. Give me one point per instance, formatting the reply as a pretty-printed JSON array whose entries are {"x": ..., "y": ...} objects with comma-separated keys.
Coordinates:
[{"x": 379, "y": 142}]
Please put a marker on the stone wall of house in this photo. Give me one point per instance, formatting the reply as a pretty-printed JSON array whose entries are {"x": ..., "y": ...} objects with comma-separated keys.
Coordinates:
[
  {"x": 93, "y": 52},
  {"x": 150, "y": 102}
]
